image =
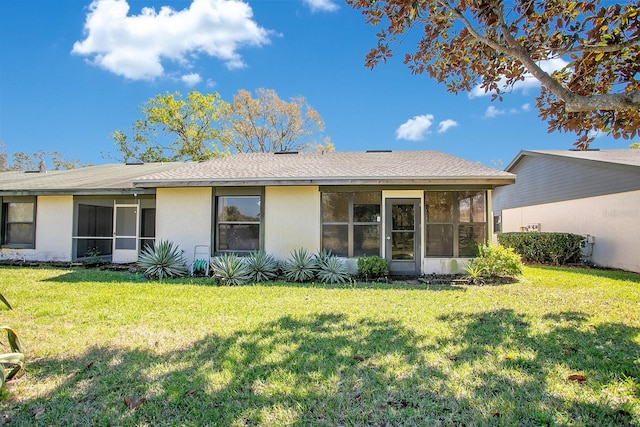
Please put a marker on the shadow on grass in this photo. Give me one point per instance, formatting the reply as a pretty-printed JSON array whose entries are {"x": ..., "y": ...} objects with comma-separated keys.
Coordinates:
[
  {"x": 80, "y": 274},
  {"x": 525, "y": 369},
  {"x": 364, "y": 285},
  {"x": 493, "y": 368},
  {"x": 604, "y": 273},
  {"x": 106, "y": 276}
]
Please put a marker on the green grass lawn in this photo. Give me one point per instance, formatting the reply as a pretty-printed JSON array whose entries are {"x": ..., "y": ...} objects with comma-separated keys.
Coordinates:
[{"x": 350, "y": 355}]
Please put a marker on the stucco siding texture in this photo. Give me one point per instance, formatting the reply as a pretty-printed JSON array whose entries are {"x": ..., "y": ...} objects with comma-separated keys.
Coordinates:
[
  {"x": 547, "y": 177},
  {"x": 612, "y": 219}
]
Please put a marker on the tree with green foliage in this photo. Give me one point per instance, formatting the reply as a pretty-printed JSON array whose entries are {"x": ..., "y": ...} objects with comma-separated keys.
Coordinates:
[
  {"x": 39, "y": 160},
  {"x": 267, "y": 124},
  {"x": 494, "y": 44},
  {"x": 635, "y": 145},
  {"x": 174, "y": 128}
]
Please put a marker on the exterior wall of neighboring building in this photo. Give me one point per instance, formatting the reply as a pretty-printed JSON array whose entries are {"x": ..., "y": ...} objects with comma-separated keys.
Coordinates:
[
  {"x": 54, "y": 228},
  {"x": 291, "y": 219},
  {"x": 183, "y": 216},
  {"x": 547, "y": 179},
  {"x": 611, "y": 219}
]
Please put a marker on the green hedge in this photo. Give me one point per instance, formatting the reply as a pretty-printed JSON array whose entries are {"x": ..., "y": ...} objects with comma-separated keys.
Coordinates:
[{"x": 546, "y": 248}]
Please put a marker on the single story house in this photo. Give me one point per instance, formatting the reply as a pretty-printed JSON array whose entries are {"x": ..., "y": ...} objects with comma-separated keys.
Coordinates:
[
  {"x": 425, "y": 211},
  {"x": 594, "y": 193}
]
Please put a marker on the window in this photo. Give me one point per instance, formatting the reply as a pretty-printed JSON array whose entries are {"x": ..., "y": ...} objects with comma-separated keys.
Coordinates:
[
  {"x": 497, "y": 223},
  {"x": 19, "y": 223},
  {"x": 351, "y": 223},
  {"x": 95, "y": 229},
  {"x": 238, "y": 222},
  {"x": 147, "y": 228},
  {"x": 455, "y": 222}
]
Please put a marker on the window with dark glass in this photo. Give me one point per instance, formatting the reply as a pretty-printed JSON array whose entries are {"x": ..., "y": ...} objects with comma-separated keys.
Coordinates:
[
  {"x": 147, "y": 228},
  {"x": 351, "y": 223},
  {"x": 19, "y": 223},
  {"x": 456, "y": 222},
  {"x": 95, "y": 230},
  {"x": 497, "y": 223},
  {"x": 238, "y": 221}
]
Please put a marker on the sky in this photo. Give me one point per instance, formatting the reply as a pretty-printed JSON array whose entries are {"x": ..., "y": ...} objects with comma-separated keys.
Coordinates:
[{"x": 74, "y": 71}]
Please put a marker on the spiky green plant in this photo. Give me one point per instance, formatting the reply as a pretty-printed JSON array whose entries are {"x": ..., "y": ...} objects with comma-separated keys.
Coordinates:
[
  {"x": 474, "y": 274},
  {"x": 11, "y": 363},
  {"x": 301, "y": 266},
  {"x": 322, "y": 256},
  {"x": 262, "y": 267},
  {"x": 333, "y": 270},
  {"x": 230, "y": 269},
  {"x": 5, "y": 301},
  {"x": 162, "y": 260}
]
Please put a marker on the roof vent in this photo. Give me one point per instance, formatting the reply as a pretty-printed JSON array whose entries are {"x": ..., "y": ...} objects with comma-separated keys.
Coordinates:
[
  {"x": 285, "y": 152},
  {"x": 134, "y": 163},
  {"x": 588, "y": 149},
  {"x": 378, "y": 151}
]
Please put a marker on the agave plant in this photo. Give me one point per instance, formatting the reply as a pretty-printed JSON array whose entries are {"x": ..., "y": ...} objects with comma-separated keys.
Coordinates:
[
  {"x": 162, "y": 260},
  {"x": 333, "y": 270},
  {"x": 11, "y": 363},
  {"x": 262, "y": 267},
  {"x": 301, "y": 266},
  {"x": 230, "y": 269},
  {"x": 322, "y": 257},
  {"x": 5, "y": 301}
]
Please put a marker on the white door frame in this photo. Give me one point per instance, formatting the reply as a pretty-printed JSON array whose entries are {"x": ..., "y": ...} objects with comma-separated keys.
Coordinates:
[{"x": 125, "y": 244}]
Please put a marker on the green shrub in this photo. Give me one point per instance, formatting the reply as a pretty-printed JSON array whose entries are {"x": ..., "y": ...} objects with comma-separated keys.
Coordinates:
[
  {"x": 301, "y": 266},
  {"x": 545, "y": 248},
  {"x": 332, "y": 269},
  {"x": 230, "y": 269},
  {"x": 162, "y": 260},
  {"x": 262, "y": 267},
  {"x": 372, "y": 267},
  {"x": 495, "y": 261}
]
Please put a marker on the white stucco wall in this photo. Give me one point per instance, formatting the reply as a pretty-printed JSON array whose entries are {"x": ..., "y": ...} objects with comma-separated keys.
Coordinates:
[
  {"x": 291, "y": 219},
  {"x": 54, "y": 228},
  {"x": 183, "y": 216},
  {"x": 612, "y": 219}
]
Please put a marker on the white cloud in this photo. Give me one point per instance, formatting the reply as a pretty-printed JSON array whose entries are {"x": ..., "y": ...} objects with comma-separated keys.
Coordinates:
[
  {"x": 135, "y": 46},
  {"x": 529, "y": 82},
  {"x": 492, "y": 112},
  {"x": 596, "y": 133},
  {"x": 321, "y": 5},
  {"x": 415, "y": 129},
  {"x": 445, "y": 125},
  {"x": 191, "y": 79}
]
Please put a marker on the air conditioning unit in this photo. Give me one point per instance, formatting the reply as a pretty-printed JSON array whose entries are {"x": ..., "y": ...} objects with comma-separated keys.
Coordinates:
[{"x": 532, "y": 228}]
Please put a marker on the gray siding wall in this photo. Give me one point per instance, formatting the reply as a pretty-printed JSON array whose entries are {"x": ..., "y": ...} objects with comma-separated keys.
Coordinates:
[{"x": 545, "y": 179}]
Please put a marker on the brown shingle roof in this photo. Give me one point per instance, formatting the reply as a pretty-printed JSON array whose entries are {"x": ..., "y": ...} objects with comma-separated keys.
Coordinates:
[
  {"x": 91, "y": 179},
  {"x": 330, "y": 168}
]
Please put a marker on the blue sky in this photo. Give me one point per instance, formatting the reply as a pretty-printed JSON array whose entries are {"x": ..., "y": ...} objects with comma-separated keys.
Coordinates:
[{"x": 72, "y": 72}]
